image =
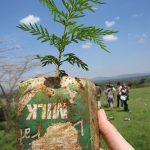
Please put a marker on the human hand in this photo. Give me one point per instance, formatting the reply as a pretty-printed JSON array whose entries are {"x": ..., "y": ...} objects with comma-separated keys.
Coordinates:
[{"x": 112, "y": 137}]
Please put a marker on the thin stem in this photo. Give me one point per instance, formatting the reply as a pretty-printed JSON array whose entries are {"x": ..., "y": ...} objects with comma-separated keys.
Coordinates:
[
  {"x": 62, "y": 50},
  {"x": 59, "y": 63}
]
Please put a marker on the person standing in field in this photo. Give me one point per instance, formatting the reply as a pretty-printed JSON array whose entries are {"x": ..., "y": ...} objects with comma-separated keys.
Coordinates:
[
  {"x": 110, "y": 95},
  {"x": 125, "y": 97},
  {"x": 119, "y": 87}
]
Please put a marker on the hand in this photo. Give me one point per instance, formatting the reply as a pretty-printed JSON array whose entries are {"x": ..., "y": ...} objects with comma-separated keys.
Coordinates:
[{"x": 110, "y": 134}]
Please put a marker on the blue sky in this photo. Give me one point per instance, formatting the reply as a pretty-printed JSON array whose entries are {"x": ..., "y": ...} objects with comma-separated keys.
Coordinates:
[{"x": 130, "y": 47}]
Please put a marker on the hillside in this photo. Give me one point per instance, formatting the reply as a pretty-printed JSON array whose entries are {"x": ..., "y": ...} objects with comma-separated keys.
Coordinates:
[{"x": 121, "y": 77}]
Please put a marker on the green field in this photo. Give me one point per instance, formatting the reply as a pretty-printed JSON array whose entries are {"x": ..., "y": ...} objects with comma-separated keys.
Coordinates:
[{"x": 137, "y": 130}]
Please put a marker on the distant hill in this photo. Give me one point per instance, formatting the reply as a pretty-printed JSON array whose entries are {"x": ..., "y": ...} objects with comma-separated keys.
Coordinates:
[{"x": 121, "y": 77}]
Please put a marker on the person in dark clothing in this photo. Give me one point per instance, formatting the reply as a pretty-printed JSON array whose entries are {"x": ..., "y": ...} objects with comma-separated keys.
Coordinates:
[
  {"x": 119, "y": 87},
  {"x": 125, "y": 97}
]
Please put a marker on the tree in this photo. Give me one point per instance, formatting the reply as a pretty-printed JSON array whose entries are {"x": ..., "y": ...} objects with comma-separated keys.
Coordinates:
[
  {"x": 10, "y": 75},
  {"x": 7, "y": 47},
  {"x": 73, "y": 32},
  {"x": 142, "y": 81}
]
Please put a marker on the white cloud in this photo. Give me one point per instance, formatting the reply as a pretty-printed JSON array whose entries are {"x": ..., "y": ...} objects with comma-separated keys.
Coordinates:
[
  {"x": 144, "y": 35},
  {"x": 30, "y": 19},
  {"x": 134, "y": 15},
  {"x": 142, "y": 40},
  {"x": 110, "y": 38},
  {"x": 109, "y": 23},
  {"x": 137, "y": 15},
  {"x": 18, "y": 46},
  {"x": 139, "y": 38},
  {"x": 95, "y": 8},
  {"x": 117, "y": 18},
  {"x": 86, "y": 45},
  {"x": 141, "y": 14}
]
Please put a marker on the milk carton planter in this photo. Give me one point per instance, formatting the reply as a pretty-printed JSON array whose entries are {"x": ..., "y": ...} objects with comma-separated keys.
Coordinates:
[{"x": 57, "y": 115}]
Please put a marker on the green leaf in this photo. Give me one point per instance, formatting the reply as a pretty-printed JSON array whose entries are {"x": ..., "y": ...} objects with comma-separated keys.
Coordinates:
[
  {"x": 98, "y": 1},
  {"x": 72, "y": 59},
  {"x": 50, "y": 4},
  {"x": 65, "y": 4},
  {"x": 49, "y": 59},
  {"x": 36, "y": 30},
  {"x": 91, "y": 33}
]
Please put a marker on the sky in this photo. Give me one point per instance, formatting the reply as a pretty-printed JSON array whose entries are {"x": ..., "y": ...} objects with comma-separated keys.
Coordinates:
[{"x": 129, "y": 48}]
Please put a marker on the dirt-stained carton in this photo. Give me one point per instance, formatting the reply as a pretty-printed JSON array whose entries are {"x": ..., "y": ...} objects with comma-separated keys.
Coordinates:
[{"x": 57, "y": 114}]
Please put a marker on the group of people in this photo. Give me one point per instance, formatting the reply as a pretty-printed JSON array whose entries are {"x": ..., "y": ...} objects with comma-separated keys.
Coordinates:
[
  {"x": 109, "y": 133},
  {"x": 122, "y": 95}
]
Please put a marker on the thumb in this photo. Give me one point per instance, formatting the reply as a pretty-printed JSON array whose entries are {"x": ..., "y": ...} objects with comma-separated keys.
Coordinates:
[{"x": 110, "y": 134}]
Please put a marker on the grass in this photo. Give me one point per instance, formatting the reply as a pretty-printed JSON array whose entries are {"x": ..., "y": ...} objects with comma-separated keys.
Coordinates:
[
  {"x": 136, "y": 130},
  {"x": 8, "y": 140}
]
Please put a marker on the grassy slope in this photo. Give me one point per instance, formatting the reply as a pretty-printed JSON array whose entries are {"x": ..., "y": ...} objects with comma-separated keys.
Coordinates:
[{"x": 137, "y": 130}]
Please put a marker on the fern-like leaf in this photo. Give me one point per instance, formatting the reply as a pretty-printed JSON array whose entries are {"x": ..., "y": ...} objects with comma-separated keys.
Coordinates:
[
  {"x": 49, "y": 59},
  {"x": 91, "y": 33},
  {"x": 72, "y": 59},
  {"x": 37, "y": 30}
]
